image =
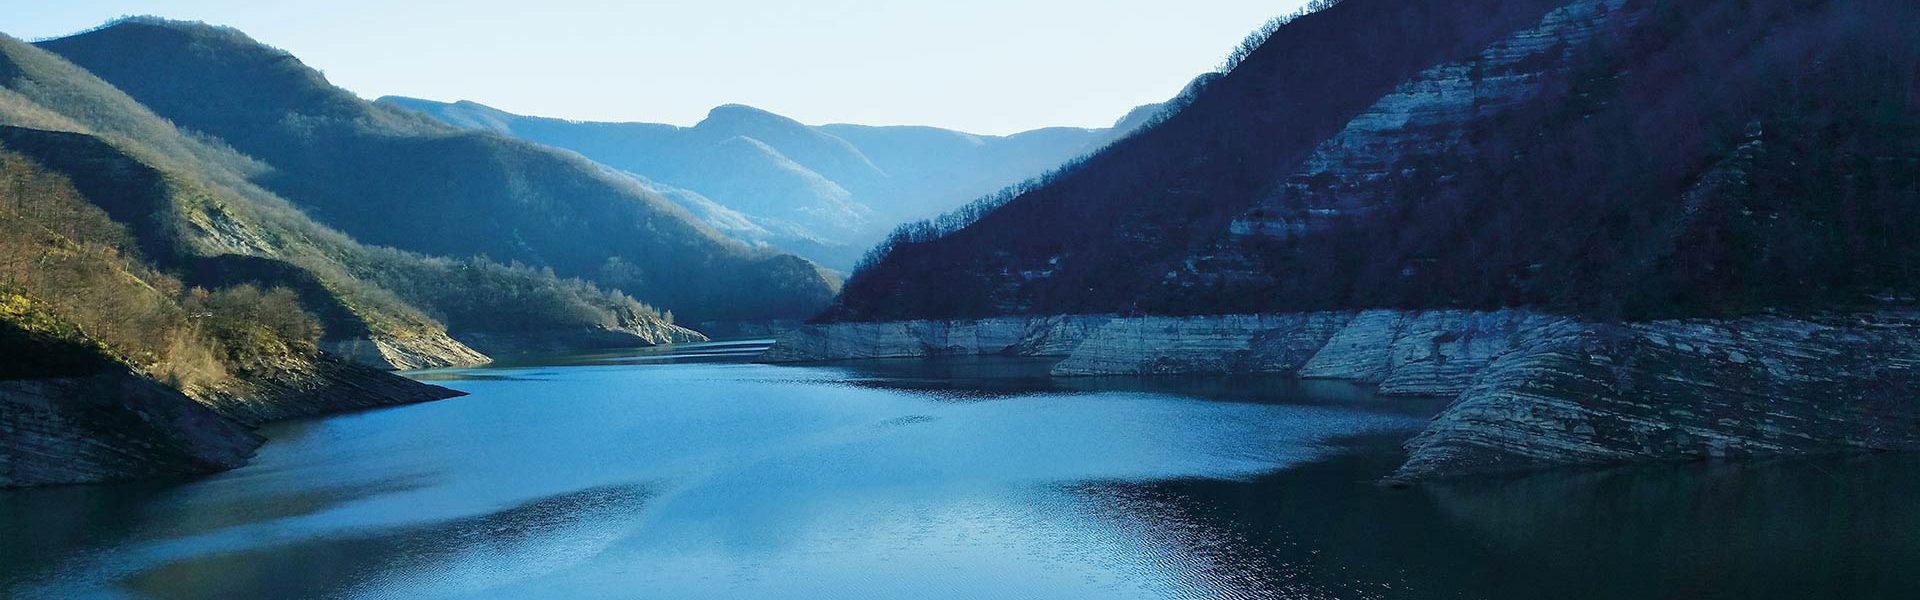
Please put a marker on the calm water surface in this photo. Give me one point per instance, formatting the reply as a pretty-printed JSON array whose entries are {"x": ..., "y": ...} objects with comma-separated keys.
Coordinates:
[{"x": 695, "y": 475}]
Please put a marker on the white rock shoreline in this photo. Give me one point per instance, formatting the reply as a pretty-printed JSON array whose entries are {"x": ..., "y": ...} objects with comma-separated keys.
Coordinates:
[{"x": 1530, "y": 389}]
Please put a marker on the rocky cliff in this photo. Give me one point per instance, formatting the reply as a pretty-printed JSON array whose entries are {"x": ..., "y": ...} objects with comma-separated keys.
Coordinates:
[
  {"x": 72, "y": 410},
  {"x": 1430, "y": 113},
  {"x": 1010, "y": 336},
  {"x": 110, "y": 426},
  {"x": 1583, "y": 393},
  {"x": 652, "y": 333},
  {"x": 116, "y": 425},
  {"x": 301, "y": 387},
  {"x": 406, "y": 354},
  {"x": 1530, "y": 389}
]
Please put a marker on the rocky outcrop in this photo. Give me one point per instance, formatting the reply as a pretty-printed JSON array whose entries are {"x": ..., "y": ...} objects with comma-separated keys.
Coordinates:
[
  {"x": 1434, "y": 110},
  {"x": 116, "y": 425},
  {"x": 438, "y": 350},
  {"x": 301, "y": 387},
  {"x": 1421, "y": 353},
  {"x": 433, "y": 351},
  {"x": 1531, "y": 389},
  {"x": 1013, "y": 336},
  {"x": 638, "y": 335},
  {"x": 1582, "y": 393},
  {"x": 1428, "y": 115},
  {"x": 110, "y": 426},
  {"x": 1405, "y": 353},
  {"x": 1220, "y": 345}
]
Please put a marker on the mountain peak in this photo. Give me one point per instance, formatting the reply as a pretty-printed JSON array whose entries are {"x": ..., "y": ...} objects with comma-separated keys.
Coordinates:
[
  {"x": 735, "y": 115},
  {"x": 158, "y": 39},
  {"x": 197, "y": 30}
]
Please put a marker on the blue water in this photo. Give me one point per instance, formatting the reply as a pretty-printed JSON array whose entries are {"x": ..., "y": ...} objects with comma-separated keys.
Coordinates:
[{"x": 693, "y": 475}]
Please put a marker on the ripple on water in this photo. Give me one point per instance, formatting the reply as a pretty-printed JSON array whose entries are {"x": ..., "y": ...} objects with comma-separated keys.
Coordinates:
[{"x": 730, "y": 480}]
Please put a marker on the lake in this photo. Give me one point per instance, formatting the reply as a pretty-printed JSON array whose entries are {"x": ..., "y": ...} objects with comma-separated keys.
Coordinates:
[{"x": 691, "y": 473}]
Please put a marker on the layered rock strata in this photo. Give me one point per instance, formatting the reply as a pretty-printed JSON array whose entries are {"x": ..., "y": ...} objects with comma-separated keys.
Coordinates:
[
  {"x": 1014, "y": 336},
  {"x": 109, "y": 426},
  {"x": 1530, "y": 389}
]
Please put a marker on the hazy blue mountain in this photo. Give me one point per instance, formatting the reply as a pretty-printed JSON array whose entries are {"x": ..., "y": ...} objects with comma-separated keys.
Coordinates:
[
  {"x": 1637, "y": 158},
  {"x": 823, "y": 192},
  {"x": 394, "y": 178}
]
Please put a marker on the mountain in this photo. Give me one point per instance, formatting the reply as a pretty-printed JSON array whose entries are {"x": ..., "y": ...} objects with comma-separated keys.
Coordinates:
[
  {"x": 155, "y": 304},
  {"x": 1607, "y": 158},
  {"x": 196, "y": 214},
  {"x": 824, "y": 192},
  {"x": 115, "y": 367},
  {"x": 389, "y": 177},
  {"x": 1610, "y": 231}
]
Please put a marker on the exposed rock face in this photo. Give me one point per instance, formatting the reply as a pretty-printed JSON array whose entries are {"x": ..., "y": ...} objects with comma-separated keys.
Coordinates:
[
  {"x": 419, "y": 352},
  {"x": 1428, "y": 114},
  {"x": 1019, "y": 336},
  {"x": 1210, "y": 345},
  {"x": 116, "y": 425},
  {"x": 1420, "y": 353},
  {"x": 1532, "y": 389},
  {"x": 1429, "y": 353},
  {"x": 1353, "y": 172},
  {"x": 1677, "y": 390},
  {"x": 635, "y": 336},
  {"x": 320, "y": 385},
  {"x": 110, "y": 426}
]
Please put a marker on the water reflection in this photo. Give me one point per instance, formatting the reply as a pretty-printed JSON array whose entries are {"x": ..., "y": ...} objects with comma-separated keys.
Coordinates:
[
  {"x": 1840, "y": 528},
  {"x": 949, "y": 479},
  {"x": 461, "y": 556}
]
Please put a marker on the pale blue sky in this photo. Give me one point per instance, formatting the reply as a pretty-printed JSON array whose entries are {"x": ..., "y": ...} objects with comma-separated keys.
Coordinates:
[{"x": 987, "y": 66}]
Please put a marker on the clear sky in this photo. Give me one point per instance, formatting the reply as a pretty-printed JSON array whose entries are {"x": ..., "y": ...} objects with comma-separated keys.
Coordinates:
[{"x": 987, "y": 66}]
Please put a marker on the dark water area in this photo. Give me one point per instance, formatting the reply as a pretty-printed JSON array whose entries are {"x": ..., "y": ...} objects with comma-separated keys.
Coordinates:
[{"x": 689, "y": 473}]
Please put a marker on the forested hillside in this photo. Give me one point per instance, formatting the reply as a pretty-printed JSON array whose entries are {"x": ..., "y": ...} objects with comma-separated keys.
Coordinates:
[
  {"x": 394, "y": 178},
  {"x": 194, "y": 214},
  {"x": 1613, "y": 158},
  {"x": 823, "y": 192},
  {"x": 116, "y": 368}
]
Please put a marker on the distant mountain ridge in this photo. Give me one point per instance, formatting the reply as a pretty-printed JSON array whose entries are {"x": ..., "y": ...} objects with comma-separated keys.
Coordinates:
[
  {"x": 825, "y": 192},
  {"x": 395, "y": 178}
]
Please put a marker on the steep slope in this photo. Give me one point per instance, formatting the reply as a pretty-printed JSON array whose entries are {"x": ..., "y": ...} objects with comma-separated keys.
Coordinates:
[
  {"x": 116, "y": 370},
  {"x": 169, "y": 191},
  {"x": 196, "y": 215},
  {"x": 1705, "y": 159},
  {"x": 824, "y": 192},
  {"x": 154, "y": 305},
  {"x": 70, "y": 414},
  {"x": 1700, "y": 222},
  {"x": 1637, "y": 158},
  {"x": 394, "y": 178}
]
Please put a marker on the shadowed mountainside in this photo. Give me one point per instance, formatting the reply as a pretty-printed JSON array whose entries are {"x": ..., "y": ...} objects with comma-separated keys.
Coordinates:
[{"x": 1612, "y": 158}]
